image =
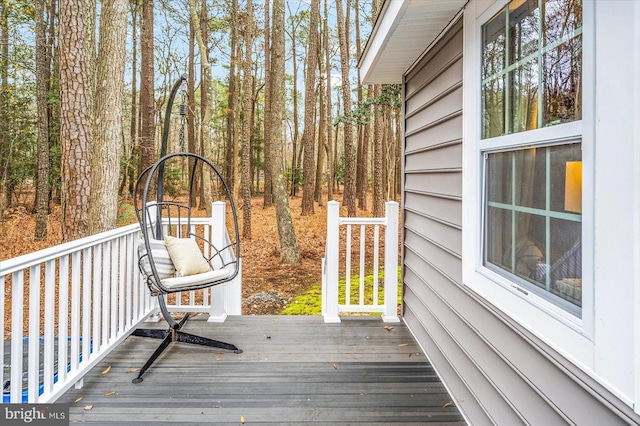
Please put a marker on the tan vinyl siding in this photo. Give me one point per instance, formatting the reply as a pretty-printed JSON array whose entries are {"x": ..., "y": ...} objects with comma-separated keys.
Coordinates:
[{"x": 497, "y": 371}]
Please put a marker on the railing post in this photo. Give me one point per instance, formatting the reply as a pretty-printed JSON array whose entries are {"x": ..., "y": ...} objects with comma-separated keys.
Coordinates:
[
  {"x": 391, "y": 264},
  {"x": 330, "y": 297},
  {"x": 217, "y": 312}
]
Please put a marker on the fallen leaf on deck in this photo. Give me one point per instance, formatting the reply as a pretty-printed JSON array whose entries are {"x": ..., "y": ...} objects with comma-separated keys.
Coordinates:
[
  {"x": 106, "y": 370},
  {"x": 448, "y": 404},
  {"x": 388, "y": 327},
  {"x": 218, "y": 359},
  {"x": 88, "y": 407},
  {"x": 403, "y": 344},
  {"x": 110, "y": 393},
  {"x": 335, "y": 366},
  {"x": 133, "y": 370},
  {"x": 242, "y": 419},
  {"x": 78, "y": 399},
  {"x": 410, "y": 354}
]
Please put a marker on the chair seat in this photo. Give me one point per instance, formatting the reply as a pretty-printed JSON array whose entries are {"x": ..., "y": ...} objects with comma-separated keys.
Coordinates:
[{"x": 176, "y": 283}]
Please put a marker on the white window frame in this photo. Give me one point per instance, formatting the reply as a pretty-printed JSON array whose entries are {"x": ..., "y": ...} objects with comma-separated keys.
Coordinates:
[{"x": 570, "y": 335}]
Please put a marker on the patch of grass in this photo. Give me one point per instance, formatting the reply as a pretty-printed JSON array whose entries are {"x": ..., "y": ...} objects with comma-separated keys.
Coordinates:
[{"x": 310, "y": 302}]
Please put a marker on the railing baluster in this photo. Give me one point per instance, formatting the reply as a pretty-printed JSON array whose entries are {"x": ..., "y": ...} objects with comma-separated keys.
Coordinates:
[
  {"x": 376, "y": 260},
  {"x": 362, "y": 269},
  {"x": 97, "y": 297},
  {"x": 86, "y": 305},
  {"x": 75, "y": 311},
  {"x": 114, "y": 289},
  {"x": 63, "y": 317},
  {"x": 348, "y": 268},
  {"x": 49, "y": 326},
  {"x": 17, "y": 321},
  {"x": 106, "y": 293},
  {"x": 34, "y": 335},
  {"x": 122, "y": 251}
]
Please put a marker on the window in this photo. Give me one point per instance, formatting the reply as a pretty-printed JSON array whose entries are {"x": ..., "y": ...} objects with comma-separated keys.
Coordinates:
[
  {"x": 531, "y": 66},
  {"x": 532, "y": 79}
]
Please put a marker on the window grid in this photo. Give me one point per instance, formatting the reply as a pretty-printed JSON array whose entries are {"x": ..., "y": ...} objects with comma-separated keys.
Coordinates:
[{"x": 542, "y": 50}]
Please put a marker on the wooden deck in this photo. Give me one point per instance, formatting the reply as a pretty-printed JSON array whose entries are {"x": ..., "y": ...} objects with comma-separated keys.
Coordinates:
[{"x": 294, "y": 370}]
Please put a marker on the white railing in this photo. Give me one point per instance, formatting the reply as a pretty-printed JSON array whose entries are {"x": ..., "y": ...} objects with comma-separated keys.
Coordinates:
[
  {"x": 68, "y": 306},
  {"x": 367, "y": 295}
]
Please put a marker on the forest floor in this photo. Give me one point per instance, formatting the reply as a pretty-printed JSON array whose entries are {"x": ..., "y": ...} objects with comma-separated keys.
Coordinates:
[{"x": 267, "y": 286}]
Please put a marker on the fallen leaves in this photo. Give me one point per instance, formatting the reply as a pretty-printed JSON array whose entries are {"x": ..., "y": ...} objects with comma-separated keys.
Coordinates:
[
  {"x": 133, "y": 370},
  {"x": 106, "y": 370},
  {"x": 242, "y": 419},
  {"x": 335, "y": 366},
  {"x": 78, "y": 399},
  {"x": 402, "y": 345},
  {"x": 388, "y": 327},
  {"x": 110, "y": 393},
  {"x": 88, "y": 407},
  {"x": 448, "y": 404}
]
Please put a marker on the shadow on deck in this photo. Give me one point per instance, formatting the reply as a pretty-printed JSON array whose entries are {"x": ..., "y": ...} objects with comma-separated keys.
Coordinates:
[{"x": 294, "y": 370}]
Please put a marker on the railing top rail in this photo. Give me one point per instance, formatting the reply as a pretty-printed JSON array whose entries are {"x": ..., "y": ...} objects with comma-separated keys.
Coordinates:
[
  {"x": 54, "y": 252},
  {"x": 363, "y": 221},
  {"x": 9, "y": 266}
]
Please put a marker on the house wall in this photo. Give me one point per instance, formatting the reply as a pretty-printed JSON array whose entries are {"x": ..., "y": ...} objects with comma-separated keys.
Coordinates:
[{"x": 496, "y": 368}]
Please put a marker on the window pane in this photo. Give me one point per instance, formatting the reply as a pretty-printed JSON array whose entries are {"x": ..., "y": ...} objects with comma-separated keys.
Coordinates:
[
  {"x": 528, "y": 54},
  {"x": 523, "y": 99},
  {"x": 563, "y": 159},
  {"x": 561, "y": 19},
  {"x": 499, "y": 177},
  {"x": 530, "y": 177},
  {"x": 493, "y": 45},
  {"x": 536, "y": 240},
  {"x": 562, "y": 83},
  {"x": 524, "y": 29},
  {"x": 493, "y": 108}
]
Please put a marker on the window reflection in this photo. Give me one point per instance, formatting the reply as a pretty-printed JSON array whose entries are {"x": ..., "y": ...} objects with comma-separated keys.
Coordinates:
[{"x": 531, "y": 66}]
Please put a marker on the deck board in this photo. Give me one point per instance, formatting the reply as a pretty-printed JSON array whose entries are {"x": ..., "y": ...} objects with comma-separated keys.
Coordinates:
[{"x": 294, "y": 370}]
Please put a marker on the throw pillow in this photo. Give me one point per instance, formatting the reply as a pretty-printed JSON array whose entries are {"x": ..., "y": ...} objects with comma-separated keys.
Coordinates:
[{"x": 186, "y": 256}]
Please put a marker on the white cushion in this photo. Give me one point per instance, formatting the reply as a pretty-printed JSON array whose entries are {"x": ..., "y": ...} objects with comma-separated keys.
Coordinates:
[
  {"x": 161, "y": 259},
  {"x": 176, "y": 283},
  {"x": 186, "y": 256}
]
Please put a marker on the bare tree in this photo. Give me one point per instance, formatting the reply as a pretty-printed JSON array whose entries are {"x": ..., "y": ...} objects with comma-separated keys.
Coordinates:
[
  {"x": 289, "y": 248},
  {"x": 329, "y": 142},
  {"x": 107, "y": 131},
  {"x": 246, "y": 126},
  {"x": 308, "y": 135},
  {"x": 268, "y": 198},
  {"x": 147, "y": 108},
  {"x": 42, "y": 85},
  {"x": 349, "y": 197},
  {"x": 74, "y": 120},
  {"x": 378, "y": 135}
]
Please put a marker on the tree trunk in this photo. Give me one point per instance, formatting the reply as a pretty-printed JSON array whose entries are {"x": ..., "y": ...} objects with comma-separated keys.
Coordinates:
[
  {"x": 361, "y": 163},
  {"x": 202, "y": 37},
  {"x": 74, "y": 120},
  {"x": 5, "y": 140},
  {"x": 191, "y": 102},
  {"x": 107, "y": 142},
  {"x": 349, "y": 196},
  {"x": 289, "y": 249},
  {"x": 42, "y": 85},
  {"x": 147, "y": 110},
  {"x": 308, "y": 136},
  {"x": 246, "y": 126},
  {"x": 231, "y": 111},
  {"x": 131, "y": 153},
  {"x": 267, "y": 198},
  {"x": 322, "y": 136},
  {"x": 328, "y": 125},
  {"x": 378, "y": 209}
]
